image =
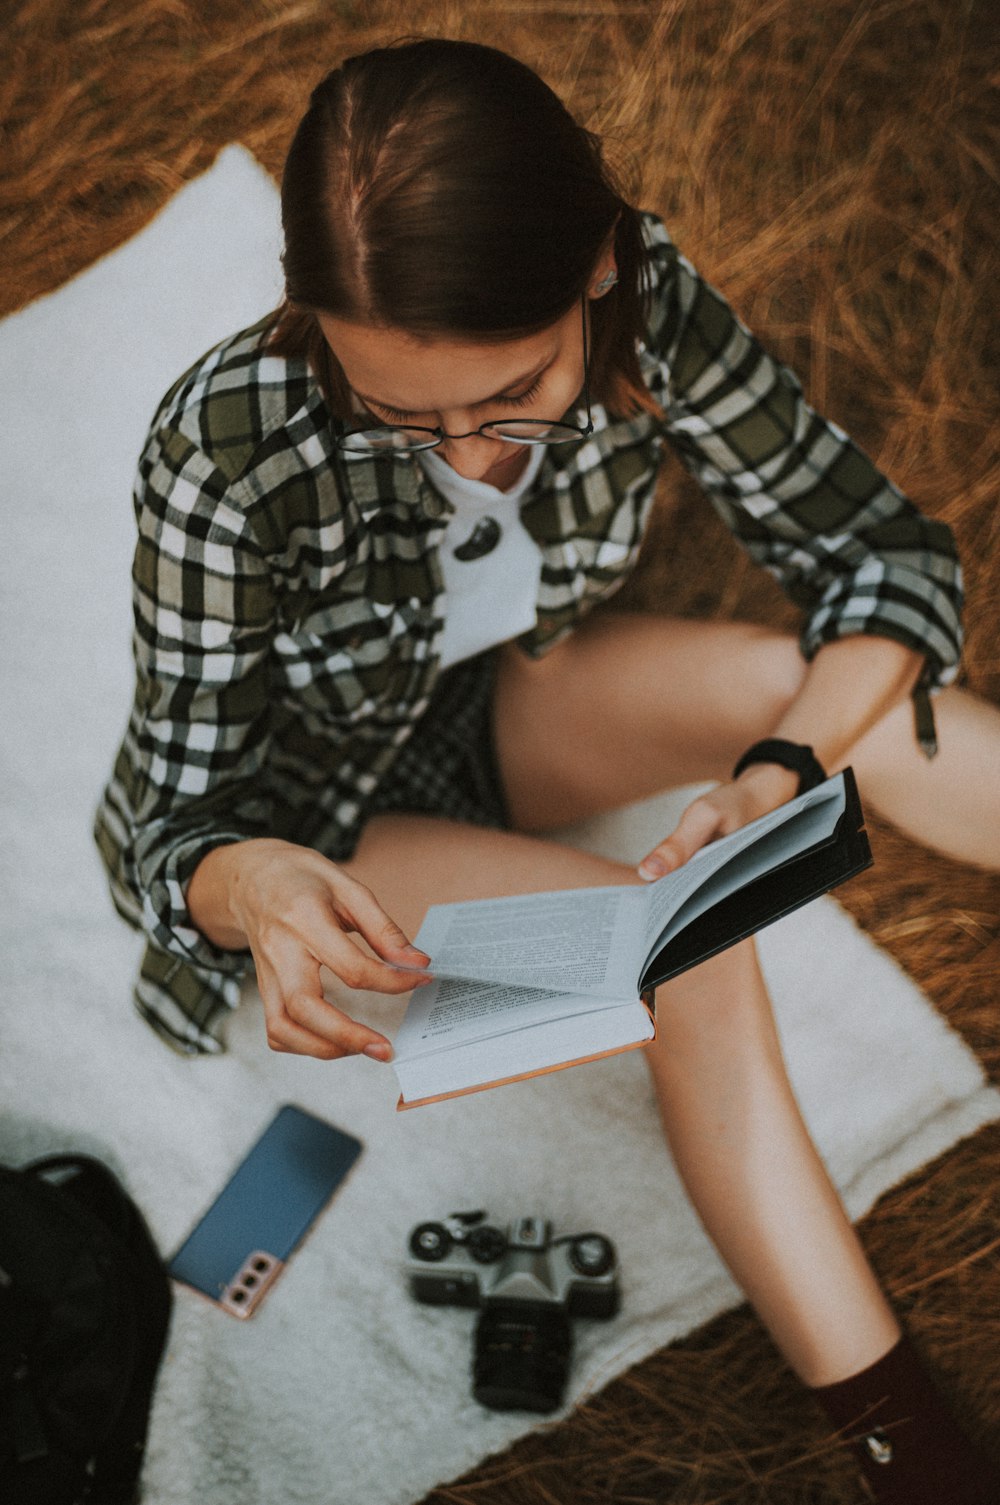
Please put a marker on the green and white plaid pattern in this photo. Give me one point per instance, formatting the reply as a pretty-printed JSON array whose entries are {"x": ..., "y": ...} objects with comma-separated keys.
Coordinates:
[{"x": 288, "y": 599}]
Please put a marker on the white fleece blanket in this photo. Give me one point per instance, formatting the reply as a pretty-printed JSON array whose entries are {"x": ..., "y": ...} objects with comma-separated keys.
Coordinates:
[{"x": 341, "y": 1391}]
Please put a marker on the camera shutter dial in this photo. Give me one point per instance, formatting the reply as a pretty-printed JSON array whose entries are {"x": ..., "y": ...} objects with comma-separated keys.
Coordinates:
[
  {"x": 430, "y": 1241},
  {"x": 592, "y": 1254},
  {"x": 487, "y": 1245}
]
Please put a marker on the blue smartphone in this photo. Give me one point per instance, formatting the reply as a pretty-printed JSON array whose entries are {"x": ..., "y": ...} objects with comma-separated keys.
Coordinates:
[{"x": 239, "y": 1248}]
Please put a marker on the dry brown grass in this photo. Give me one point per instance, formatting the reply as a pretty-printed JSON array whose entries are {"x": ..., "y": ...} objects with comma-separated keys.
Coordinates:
[{"x": 833, "y": 167}]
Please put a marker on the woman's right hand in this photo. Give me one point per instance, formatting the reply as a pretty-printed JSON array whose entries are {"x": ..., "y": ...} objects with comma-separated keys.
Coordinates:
[{"x": 297, "y": 911}]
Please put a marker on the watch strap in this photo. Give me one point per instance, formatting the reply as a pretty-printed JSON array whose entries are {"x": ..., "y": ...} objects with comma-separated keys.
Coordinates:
[{"x": 795, "y": 756}]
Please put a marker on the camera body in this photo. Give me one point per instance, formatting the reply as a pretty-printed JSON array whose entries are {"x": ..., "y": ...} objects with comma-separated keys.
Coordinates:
[{"x": 527, "y": 1285}]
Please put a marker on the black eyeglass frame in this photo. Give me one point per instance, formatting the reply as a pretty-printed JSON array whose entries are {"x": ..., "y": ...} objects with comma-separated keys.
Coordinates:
[{"x": 436, "y": 436}]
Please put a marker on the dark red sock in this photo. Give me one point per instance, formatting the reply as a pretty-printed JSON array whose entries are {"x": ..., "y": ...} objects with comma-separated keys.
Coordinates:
[{"x": 911, "y": 1448}]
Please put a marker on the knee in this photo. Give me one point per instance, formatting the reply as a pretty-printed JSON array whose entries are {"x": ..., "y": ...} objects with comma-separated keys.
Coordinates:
[{"x": 777, "y": 670}]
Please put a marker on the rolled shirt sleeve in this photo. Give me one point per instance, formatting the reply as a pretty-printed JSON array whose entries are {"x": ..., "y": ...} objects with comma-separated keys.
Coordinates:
[
  {"x": 844, "y": 543},
  {"x": 186, "y": 777}
]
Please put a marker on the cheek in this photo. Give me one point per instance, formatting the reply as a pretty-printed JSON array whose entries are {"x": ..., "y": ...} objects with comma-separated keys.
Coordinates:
[{"x": 567, "y": 388}]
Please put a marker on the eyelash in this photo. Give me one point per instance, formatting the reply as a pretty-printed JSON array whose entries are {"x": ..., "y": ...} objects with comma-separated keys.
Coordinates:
[{"x": 514, "y": 402}]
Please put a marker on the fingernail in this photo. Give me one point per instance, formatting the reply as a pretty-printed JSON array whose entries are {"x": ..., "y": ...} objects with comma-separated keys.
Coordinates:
[
  {"x": 415, "y": 952},
  {"x": 378, "y": 1052},
  {"x": 652, "y": 867}
]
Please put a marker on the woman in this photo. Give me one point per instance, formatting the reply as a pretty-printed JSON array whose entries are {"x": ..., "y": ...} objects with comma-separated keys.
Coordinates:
[{"x": 371, "y": 532}]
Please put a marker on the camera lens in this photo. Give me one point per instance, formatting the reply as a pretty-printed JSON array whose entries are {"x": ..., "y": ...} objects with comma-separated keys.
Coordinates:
[
  {"x": 521, "y": 1356},
  {"x": 430, "y": 1241},
  {"x": 592, "y": 1254}
]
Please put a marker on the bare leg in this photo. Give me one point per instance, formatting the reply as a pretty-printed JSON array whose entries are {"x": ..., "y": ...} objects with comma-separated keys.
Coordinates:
[
  {"x": 630, "y": 705},
  {"x": 754, "y": 1175},
  {"x": 412, "y": 861},
  {"x": 950, "y": 802},
  {"x": 728, "y": 1109}
]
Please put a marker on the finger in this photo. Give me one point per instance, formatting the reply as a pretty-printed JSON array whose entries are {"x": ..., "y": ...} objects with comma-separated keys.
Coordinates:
[
  {"x": 283, "y": 1034},
  {"x": 315, "y": 927},
  {"x": 698, "y": 824},
  {"x": 346, "y": 960},
  {"x": 287, "y": 1039},
  {"x": 358, "y": 908},
  {"x": 300, "y": 1020},
  {"x": 334, "y": 1031}
]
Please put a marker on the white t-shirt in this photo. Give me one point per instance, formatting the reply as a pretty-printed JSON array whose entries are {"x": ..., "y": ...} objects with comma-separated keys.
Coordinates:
[{"x": 491, "y": 583}]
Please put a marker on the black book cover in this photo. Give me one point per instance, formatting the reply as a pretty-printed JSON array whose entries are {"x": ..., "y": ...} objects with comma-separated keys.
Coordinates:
[{"x": 770, "y": 897}]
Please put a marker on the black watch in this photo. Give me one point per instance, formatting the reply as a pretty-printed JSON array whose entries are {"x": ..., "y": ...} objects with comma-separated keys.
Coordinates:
[{"x": 793, "y": 755}]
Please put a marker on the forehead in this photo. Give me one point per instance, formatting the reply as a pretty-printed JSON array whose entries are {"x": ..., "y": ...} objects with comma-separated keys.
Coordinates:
[{"x": 432, "y": 374}]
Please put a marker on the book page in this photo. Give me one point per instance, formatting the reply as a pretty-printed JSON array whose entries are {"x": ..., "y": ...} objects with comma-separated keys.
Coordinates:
[
  {"x": 728, "y": 863},
  {"x": 814, "y": 823},
  {"x": 509, "y": 964},
  {"x": 580, "y": 940},
  {"x": 547, "y": 1046},
  {"x": 454, "y": 1012}
]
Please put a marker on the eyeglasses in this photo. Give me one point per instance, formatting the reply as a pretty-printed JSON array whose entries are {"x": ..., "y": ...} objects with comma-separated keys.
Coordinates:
[{"x": 400, "y": 438}]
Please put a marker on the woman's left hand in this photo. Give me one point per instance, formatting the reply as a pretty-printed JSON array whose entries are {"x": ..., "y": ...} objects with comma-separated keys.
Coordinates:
[{"x": 760, "y": 788}]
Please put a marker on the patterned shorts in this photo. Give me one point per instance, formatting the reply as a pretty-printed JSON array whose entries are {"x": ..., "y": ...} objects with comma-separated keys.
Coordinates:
[{"x": 449, "y": 765}]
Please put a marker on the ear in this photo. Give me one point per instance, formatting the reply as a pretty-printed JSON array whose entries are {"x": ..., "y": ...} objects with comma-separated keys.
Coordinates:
[
  {"x": 605, "y": 273},
  {"x": 604, "y": 283}
]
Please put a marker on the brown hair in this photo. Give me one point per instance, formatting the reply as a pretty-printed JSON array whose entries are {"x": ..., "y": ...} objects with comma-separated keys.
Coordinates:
[{"x": 442, "y": 188}]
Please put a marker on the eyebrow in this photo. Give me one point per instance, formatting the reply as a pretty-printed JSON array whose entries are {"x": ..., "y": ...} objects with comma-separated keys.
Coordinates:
[{"x": 528, "y": 376}]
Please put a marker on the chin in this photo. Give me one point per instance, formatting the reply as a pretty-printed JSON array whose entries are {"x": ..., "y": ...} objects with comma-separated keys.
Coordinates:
[{"x": 514, "y": 453}]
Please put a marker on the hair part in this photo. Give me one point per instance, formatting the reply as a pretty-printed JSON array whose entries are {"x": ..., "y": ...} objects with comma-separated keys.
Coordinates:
[{"x": 442, "y": 188}]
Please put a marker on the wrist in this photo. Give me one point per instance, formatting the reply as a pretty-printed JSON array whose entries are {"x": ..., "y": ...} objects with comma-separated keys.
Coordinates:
[
  {"x": 217, "y": 891},
  {"x": 792, "y": 757},
  {"x": 770, "y": 782}
]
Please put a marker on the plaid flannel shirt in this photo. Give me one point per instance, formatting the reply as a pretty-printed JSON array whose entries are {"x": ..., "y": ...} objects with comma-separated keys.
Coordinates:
[{"x": 288, "y": 599}]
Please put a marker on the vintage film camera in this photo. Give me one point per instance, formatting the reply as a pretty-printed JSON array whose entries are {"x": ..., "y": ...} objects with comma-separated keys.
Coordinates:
[{"x": 527, "y": 1285}]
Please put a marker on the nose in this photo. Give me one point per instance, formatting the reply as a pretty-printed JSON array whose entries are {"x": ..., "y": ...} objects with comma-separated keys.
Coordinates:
[{"x": 473, "y": 455}]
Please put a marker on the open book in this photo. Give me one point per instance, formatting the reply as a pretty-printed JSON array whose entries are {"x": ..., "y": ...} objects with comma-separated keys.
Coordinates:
[{"x": 536, "y": 982}]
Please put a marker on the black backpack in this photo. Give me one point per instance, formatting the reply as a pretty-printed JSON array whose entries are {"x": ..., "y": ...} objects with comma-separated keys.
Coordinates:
[{"x": 84, "y": 1310}]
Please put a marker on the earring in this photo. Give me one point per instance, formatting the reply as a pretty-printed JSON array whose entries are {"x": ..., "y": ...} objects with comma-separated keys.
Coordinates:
[{"x": 606, "y": 282}]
